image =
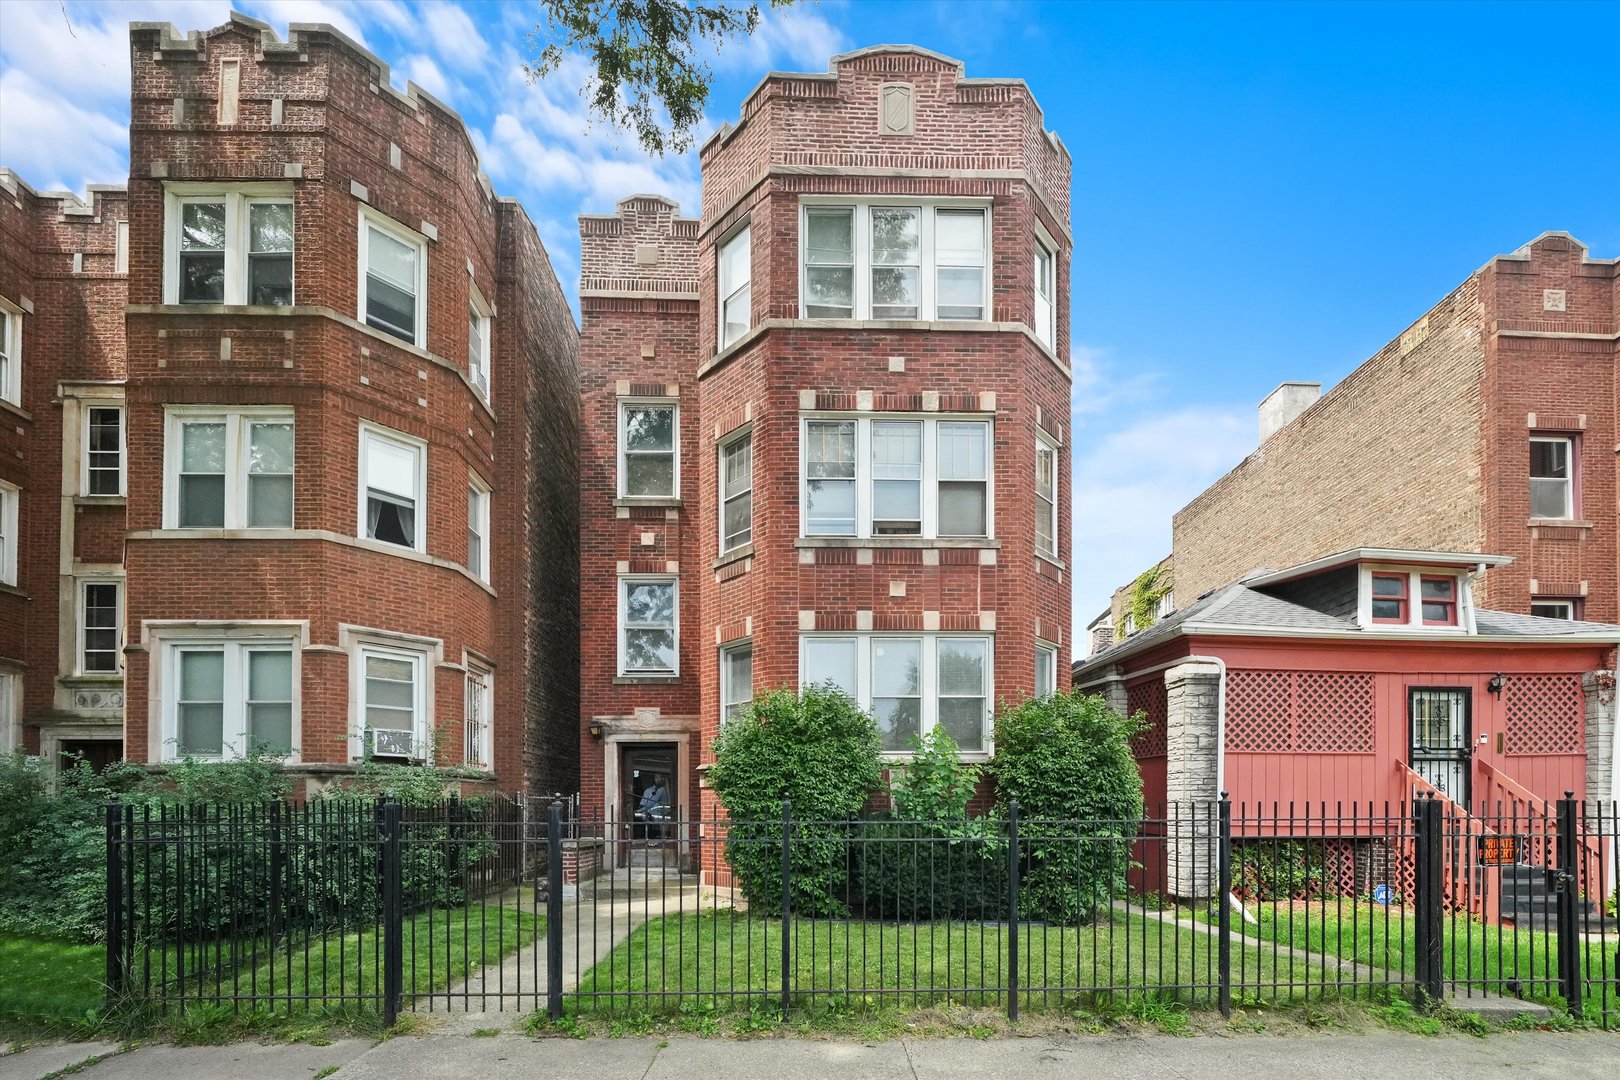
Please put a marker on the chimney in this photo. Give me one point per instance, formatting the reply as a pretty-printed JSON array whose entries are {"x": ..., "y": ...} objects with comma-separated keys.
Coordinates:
[{"x": 1283, "y": 404}]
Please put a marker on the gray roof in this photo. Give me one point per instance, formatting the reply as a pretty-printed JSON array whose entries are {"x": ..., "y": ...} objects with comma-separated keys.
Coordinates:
[{"x": 1239, "y": 607}]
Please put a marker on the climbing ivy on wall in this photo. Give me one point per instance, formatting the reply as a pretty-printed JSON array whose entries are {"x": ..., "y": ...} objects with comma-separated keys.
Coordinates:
[{"x": 1142, "y": 604}]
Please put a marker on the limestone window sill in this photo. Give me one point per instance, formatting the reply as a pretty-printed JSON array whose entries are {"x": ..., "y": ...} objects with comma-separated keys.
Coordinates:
[
  {"x": 659, "y": 503},
  {"x": 1054, "y": 560},
  {"x": 16, "y": 410},
  {"x": 645, "y": 680},
  {"x": 978, "y": 542},
  {"x": 1559, "y": 523},
  {"x": 734, "y": 555},
  {"x": 100, "y": 500},
  {"x": 12, "y": 590},
  {"x": 94, "y": 678}
]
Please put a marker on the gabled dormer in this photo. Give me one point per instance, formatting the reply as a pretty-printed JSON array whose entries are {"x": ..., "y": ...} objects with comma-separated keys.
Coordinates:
[{"x": 1386, "y": 590}]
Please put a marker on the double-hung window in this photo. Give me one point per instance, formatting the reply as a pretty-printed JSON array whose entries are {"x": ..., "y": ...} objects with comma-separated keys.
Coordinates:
[
  {"x": 877, "y": 260},
  {"x": 98, "y": 628},
  {"x": 103, "y": 450},
  {"x": 478, "y": 729},
  {"x": 737, "y": 492},
  {"x": 895, "y": 477},
  {"x": 1046, "y": 665},
  {"x": 1045, "y": 294},
  {"x": 10, "y": 498},
  {"x": 1046, "y": 498},
  {"x": 393, "y": 702},
  {"x": 1439, "y": 599},
  {"x": 1412, "y": 599},
  {"x": 393, "y": 278},
  {"x": 649, "y": 633},
  {"x": 910, "y": 683},
  {"x": 229, "y": 245},
  {"x": 1552, "y": 477},
  {"x": 230, "y": 698},
  {"x": 736, "y": 294},
  {"x": 478, "y": 341},
  {"x": 478, "y": 528},
  {"x": 1389, "y": 598},
  {"x": 736, "y": 679},
  {"x": 11, "y": 321},
  {"x": 229, "y": 470},
  {"x": 393, "y": 488},
  {"x": 648, "y": 461}
]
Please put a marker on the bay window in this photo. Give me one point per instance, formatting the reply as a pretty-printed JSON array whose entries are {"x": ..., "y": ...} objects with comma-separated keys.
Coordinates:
[
  {"x": 1046, "y": 670},
  {"x": 911, "y": 683},
  {"x": 1552, "y": 477},
  {"x": 478, "y": 314},
  {"x": 10, "y": 512},
  {"x": 736, "y": 295},
  {"x": 393, "y": 488},
  {"x": 895, "y": 477},
  {"x": 649, "y": 634},
  {"x": 229, "y": 470},
  {"x": 1046, "y": 498},
  {"x": 393, "y": 278},
  {"x": 229, "y": 244},
  {"x": 874, "y": 260},
  {"x": 478, "y": 528},
  {"x": 1045, "y": 294},
  {"x": 393, "y": 702}
]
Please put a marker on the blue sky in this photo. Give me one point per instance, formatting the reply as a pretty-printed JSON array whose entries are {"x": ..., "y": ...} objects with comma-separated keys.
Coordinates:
[{"x": 1261, "y": 192}]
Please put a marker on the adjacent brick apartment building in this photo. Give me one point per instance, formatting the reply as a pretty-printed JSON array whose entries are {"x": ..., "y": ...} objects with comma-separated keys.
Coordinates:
[
  {"x": 1488, "y": 425},
  {"x": 296, "y": 438},
  {"x": 826, "y": 423}
]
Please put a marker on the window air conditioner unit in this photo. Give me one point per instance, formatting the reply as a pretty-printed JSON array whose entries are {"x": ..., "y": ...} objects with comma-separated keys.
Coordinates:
[{"x": 392, "y": 744}]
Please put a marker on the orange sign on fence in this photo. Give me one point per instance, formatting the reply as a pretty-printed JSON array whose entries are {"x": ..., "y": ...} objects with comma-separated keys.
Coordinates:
[{"x": 1499, "y": 850}]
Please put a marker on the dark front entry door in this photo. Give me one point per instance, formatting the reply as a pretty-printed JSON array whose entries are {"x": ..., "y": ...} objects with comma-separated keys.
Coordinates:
[
  {"x": 648, "y": 790},
  {"x": 1442, "y": 745},
  {"x": 99, "y": 753}
]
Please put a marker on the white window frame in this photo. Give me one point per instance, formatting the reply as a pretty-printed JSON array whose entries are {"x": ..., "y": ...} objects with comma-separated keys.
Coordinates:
[
  {"x": 86, "y": 407},
  {"x": 729, "y": 694},
  {"x": 236, "y": 651},
  {"x": 81, "y": 626},
  {"x": 725, "y": 446},
  {"x": 930, "y": 474},
  {"x": 675, "y": 445},
  {"x": 237, "y": 199},
  {"x": 927, "y": 267},
  {"x": 11, "y": 345},
  {"x": 420, "y": 662},
  {"x": 238, "y": 421},
  {"x": 371, "y": 219},
  {"x": 1414, "y": 599},
  {"x": 1568, "y": 442},
  {"x": 625, "y": 580},
  {"x": 1044, "y": 509},
  {"x": 929, "y": 677},
  {"x": 399, "y": 440},
  {"x": 1563, "y": 602},
  {"x": 478, "y": 372},
  {"x": 121, "y": 248},
  {"x": 729, "y": 291},
  {"x": 478, "y": 518},
  {"x": 478, "y": 715},
  {"x": 1046, "y": 649},
  {"x": 1045, "y": 305},
  {"x": 10, "y": 513}
]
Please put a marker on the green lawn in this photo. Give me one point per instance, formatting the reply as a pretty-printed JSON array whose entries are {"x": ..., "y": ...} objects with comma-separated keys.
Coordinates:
[
  {"x": 719, "y": 960},
  {"x": 45, "y": 982}
]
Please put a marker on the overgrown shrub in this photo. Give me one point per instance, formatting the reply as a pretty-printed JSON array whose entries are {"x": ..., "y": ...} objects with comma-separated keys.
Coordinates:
[
  {"x": 817, "y": 748},
  {"x": 1269, "y": 870},
  {"x": 1067, "y": 760},
  {"x": 932, "y": 861}
]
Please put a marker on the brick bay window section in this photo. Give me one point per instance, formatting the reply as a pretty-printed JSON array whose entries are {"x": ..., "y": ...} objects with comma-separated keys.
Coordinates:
[
  {"x": 226, "y": 698},
  {"x": 894, "y": 261},
  {"x": 910, "y": 683},
  {"x": 228, "y": 245},
  {"x": 736, "y": 293},
  {"x": 736, "y": 679},
  {"x": 228, "y": 470},
  {"x": 895, "y": 478},
  {"x": 737, "y": 493},
  {"x": 100, "y": 628},
  {"x": 649, "y": 465},
  {"x": 393, "y": 488},
  {"x": 11, "y": 328},
  {"x": 1552, "y": 477},
  {"x": 393, "y": 278},
  {"x": 478, "y": 731},
  {"x": 649, "y": 627},
  {"x": 102, "y": 452}
]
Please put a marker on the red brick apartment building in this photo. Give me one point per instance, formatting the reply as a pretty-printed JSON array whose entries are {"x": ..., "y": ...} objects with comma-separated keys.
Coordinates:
[
  {"x": 1489, "y": 425},
  {"x": 825, "y": 425},
  {"x": 290, "y": 433}
]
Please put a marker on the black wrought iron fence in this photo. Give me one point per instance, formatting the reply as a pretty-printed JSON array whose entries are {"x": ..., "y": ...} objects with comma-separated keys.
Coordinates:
[{"x": 372, "y": 906}]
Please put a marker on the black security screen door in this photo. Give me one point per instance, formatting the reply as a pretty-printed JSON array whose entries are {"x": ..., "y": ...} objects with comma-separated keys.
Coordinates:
[{"x": 1441, "y": 746}]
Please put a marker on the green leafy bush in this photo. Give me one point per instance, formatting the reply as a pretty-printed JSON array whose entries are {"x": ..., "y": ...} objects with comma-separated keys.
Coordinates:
[
  {"x": 1067, "y": 761},
  {"x": 817, "y": 748},
  {"x": 932, "y": 861},
  {"x": 1269, "y": 870}
]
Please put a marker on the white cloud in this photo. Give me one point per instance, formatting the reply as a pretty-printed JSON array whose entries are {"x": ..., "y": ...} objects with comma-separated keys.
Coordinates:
[
  {"x": 280, "y": 13},
  {"x": 798, "y": 39},
  {"x": 31, "y": 125},
  {"x": 422, "y": 71},
  {"x": 454, "y": 36}
]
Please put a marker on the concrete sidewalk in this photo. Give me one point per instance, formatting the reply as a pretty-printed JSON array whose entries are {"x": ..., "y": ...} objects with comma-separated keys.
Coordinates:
[{"x": 512, "y": 1056}]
